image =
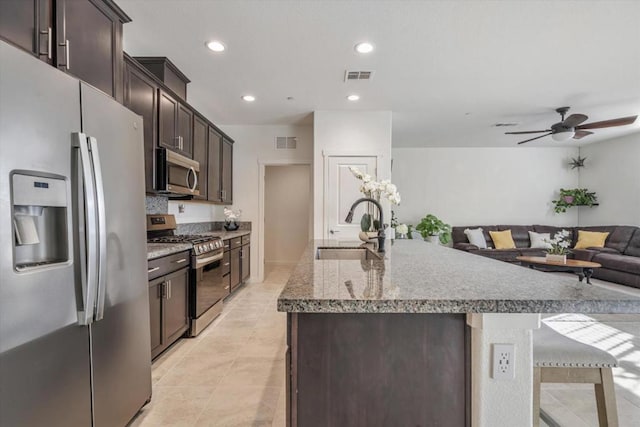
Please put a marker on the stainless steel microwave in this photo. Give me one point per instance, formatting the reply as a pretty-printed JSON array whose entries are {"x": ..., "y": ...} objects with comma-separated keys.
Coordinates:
[{"x": 176, "y": 174}]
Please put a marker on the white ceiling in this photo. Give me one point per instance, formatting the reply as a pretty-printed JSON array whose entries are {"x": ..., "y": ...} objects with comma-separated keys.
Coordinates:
[{"x": 448, "y": 70}]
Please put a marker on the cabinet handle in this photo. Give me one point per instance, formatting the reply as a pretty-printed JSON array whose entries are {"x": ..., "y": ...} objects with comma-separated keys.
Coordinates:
[
  {"x": 170, "y": 289},
  {"x": 226, "y": 287},
  {"x": 226, "y": 263},
  {"x": 49, "y": 43},
  {"x": 66, "y": 53},
  {"x": 163, "y": 290},
  {"x": 180, "y": 261},
  {"x": 151, "y": 270}
]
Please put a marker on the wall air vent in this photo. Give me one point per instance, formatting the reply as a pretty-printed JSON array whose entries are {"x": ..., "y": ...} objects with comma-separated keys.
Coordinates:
[
  {"x": 358, "y": 75},
  {"x": 499, "y": 125},
  {"x": 286, "y": 143}
]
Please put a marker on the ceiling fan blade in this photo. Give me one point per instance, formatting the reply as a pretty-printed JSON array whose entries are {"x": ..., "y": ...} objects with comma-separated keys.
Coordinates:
[
  {"x": 527, "y": 131},
  {"x": 574, "y": 120},
  {"x": 609, "y": 123},
  {"x": 581, "y": 134},
  {"x": 537, "y": 137}
]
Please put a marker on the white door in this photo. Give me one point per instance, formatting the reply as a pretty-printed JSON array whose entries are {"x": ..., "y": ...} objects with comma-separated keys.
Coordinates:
[{"x": 341, "y": 190}]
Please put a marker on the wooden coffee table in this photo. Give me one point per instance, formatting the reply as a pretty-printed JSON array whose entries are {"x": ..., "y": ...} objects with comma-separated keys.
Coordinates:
[{"x": 581, "y": 268}]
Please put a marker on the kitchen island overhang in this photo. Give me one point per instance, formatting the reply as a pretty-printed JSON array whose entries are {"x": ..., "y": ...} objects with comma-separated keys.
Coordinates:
[{"x": 407, "y": 338}]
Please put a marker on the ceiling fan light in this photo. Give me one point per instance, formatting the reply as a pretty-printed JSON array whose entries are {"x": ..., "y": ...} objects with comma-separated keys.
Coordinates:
[{"x": 563, "y": 136}]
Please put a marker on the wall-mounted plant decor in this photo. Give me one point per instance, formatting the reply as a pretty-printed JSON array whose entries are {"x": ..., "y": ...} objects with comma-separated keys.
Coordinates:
[
  {"x": 577, "y": 162},
  {"x": 574, "y": 197}
]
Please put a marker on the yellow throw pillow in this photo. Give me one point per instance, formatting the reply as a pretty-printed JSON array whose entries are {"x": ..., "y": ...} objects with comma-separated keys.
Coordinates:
[
  {"x": 590, "y": 239},
  {"x": 502, "y": 239}
]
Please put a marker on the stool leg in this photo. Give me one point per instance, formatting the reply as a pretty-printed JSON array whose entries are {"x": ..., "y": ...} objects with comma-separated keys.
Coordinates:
[
  {"x": 536, "y": 397},
  {"x": 606, "y": 399}
]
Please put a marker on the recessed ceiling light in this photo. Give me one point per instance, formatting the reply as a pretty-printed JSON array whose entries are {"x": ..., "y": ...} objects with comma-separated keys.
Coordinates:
[
  {"x": 215, "y": 46},
  {"x": 364, "y": 47},
  {"x": 353, "y": 97},
  {"x": 248, "y": 98}
]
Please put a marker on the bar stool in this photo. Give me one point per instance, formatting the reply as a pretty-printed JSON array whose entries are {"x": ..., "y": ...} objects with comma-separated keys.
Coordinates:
[{"x": 559, "y": 359}]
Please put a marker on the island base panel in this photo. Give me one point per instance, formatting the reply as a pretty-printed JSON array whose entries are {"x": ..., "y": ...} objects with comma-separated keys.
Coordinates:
[{"x": 377, "y": 370}]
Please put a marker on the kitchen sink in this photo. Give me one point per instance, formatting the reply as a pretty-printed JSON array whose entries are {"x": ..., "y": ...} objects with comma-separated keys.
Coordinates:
[{"x": 342, "y": 253}]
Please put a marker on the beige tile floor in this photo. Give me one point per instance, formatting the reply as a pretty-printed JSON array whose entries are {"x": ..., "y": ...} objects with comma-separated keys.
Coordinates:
[
  {"x": 233, "y": 373},
  {"x": 230, "y": 375}
]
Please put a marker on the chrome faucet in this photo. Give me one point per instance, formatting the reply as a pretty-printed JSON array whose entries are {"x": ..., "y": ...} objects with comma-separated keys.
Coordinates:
[{"x": 381, "y": 235}]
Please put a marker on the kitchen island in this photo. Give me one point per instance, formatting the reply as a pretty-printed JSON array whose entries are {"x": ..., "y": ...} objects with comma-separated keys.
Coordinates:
[{"x": 405, "y": 339}]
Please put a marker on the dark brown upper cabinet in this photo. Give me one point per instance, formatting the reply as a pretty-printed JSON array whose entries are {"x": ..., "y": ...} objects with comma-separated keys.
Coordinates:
[
  {"x": 167, "y": 72},
  {"x": 220, "y": 168},
  {"x": 215, "y": 163},
  {"x": 227, "y": 172},
  {"x": 175, "y": 124},
  {"x": 28, "y": 24},
  {"x": 201, "y": 154},
  {"x": 141, "y": 97},
  {"x": 81, "y": 37}
]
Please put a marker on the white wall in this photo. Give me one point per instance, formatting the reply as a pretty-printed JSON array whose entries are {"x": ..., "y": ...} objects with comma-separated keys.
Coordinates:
[
  {"x": 255, "y": 145},
  {"x": 287, "y": 212},
  {"x": 348, "y": 133},
  {"x": 476, "y": 186},
  {"x": 195, "y": 211},
  {"x": 612, "y": 170}
]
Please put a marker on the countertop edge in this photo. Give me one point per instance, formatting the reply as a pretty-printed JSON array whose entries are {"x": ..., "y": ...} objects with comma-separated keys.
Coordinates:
[
  {"x": 457, "y": 306},
  {"x": 159, "y": 250}
]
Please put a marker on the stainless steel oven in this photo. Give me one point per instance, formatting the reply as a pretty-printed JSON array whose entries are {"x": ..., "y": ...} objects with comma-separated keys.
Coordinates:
[
  {"x": 208, "y": 288},
  {"x": 176, "y": 174}
]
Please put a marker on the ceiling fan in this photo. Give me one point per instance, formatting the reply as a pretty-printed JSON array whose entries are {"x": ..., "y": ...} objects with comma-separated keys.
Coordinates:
[{"x": 571, "y": 128}]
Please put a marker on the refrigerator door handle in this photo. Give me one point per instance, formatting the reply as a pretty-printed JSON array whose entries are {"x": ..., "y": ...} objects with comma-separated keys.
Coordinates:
[
  {"x": 85, "y": 317},
  {"x": 102, "y": 228}
]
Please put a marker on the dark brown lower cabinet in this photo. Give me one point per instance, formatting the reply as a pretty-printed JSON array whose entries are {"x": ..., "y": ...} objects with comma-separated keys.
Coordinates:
[
  {"x": 236, "y": 278},
  {"x": 377, "y": 370},
  {"x": 168, "y": 309},
  {"x": 245, "y": 262}
]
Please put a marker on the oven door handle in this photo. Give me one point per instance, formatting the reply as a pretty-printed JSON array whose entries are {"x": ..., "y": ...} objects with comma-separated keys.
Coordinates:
[{"x": 204, "y": 261}]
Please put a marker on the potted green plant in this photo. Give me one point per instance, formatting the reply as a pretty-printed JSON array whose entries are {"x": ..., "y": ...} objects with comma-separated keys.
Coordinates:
[
  {"x": 433, "y": 229},
  {"x": 574, "y": 197},
  {"x": 559, "y": 247}
]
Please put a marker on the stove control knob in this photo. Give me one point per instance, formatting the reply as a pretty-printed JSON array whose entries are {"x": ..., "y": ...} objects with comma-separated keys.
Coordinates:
[{"x": 198, "y": 249}]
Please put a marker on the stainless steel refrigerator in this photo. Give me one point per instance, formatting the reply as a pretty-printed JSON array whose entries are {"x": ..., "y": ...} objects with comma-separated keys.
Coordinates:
[{"x": 74, "y": 308}]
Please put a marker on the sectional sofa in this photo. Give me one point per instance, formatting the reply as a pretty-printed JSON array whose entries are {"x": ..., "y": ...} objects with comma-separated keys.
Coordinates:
[{"x": 620, "y": 257}]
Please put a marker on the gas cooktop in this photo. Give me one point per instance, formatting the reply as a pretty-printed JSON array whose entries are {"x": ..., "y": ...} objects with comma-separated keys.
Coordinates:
[
  {"x": 161, "y": 229},
  {"x": 183, "y": 238}
]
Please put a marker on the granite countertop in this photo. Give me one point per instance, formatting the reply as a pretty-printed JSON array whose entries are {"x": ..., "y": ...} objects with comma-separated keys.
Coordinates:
[
  {"x": 420, "y": 277},
  {"x": 225, "y": 235},
  {"x": 157, "y": 250}
]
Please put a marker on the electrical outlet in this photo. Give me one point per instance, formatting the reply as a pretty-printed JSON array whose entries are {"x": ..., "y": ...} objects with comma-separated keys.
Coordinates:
[{"x": 504, "y": 360}]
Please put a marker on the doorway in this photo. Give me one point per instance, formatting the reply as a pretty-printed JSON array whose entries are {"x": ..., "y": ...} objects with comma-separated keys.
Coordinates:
[
  {"x": 287, "y": 214},
  {"x": 341, "y": 190}
]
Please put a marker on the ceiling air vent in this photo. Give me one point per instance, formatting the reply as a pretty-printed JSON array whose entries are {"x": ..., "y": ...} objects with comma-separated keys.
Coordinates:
[
  {"x": 357, "y": 75},
  {"x": 286, "y": 142}
]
